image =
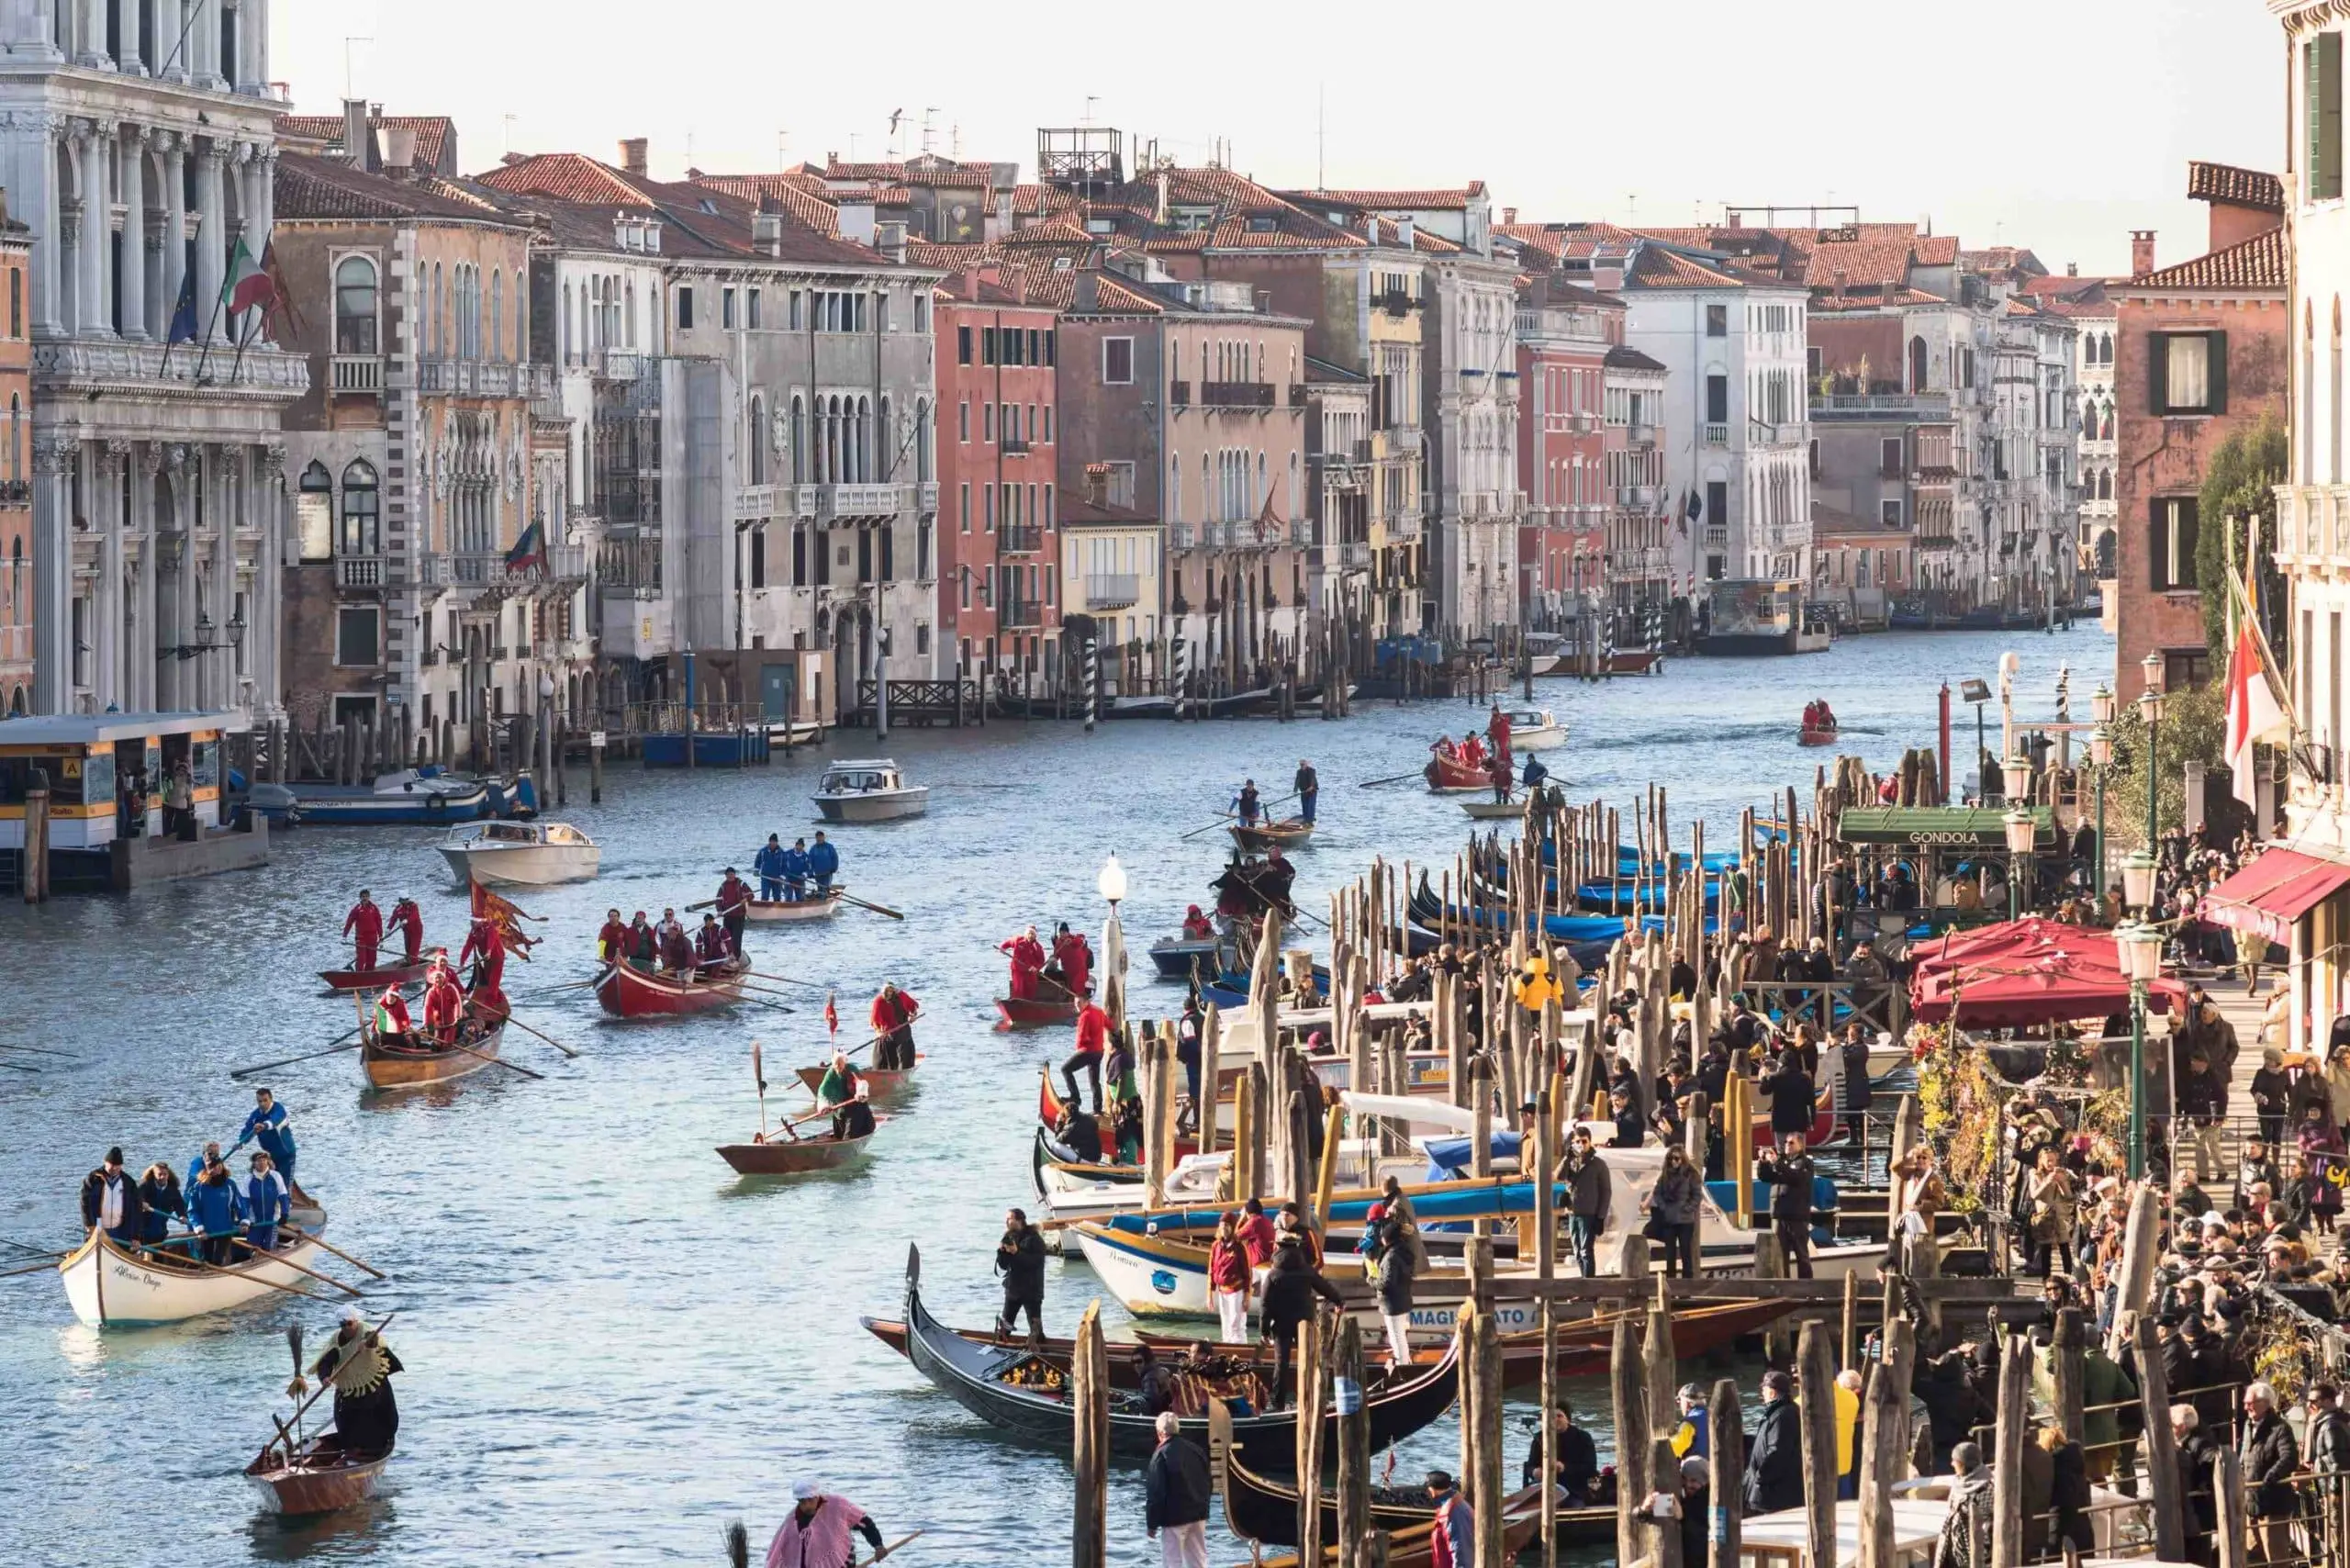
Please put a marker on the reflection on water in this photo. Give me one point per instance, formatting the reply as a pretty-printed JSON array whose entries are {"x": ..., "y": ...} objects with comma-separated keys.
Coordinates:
[{"x": 614, "y": 1345}]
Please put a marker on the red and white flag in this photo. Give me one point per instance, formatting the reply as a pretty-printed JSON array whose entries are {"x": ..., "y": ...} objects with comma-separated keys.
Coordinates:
[
  {"x": 2253, "y": 713},
  {"x": 832, "y": 1015}
]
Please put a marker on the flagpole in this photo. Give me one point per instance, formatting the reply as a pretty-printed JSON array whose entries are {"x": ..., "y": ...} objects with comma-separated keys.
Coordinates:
[{"x": 205, "y": 352}]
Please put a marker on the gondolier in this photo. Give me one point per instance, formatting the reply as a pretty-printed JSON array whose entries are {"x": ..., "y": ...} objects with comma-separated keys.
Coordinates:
[
  {"x": 1027, "y": 963},
  {"x": 408, "y": 921},
  {"x": 733, "y": 907},
  {"x": 365, "y": 927},
  {"x": 894, "y": 1028},
  {"x": 711, "y": 948},
  {"x": 391, "y": 1012},
  {"x": 214, "y": 1206},
  {"x": 1244, "y": 805},
  {"x": 1074, "y": 958},
  {"x": 1092, "y": 1043},
  {"x": 839, "y": 1085},
  {"x": 360, "y": 1365},
  {"x": 768, "y": 864},
  {"x": 486, "y": 949},
  {"x": 268, "y": 1125},
  {"x": 823, "y": 863},
  {"x": 815, "y": 1534},
  {"x": 1309, "y": 789}
]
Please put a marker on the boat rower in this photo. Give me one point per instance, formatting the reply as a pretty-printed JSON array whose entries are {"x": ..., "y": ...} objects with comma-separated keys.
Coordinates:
[
  {"x": 733, "y": 907},
  {"x": 840, "y": 1084},
  {"x": 485, "y": 944},
  {"x": 611, "y": 941},
  {"x": 1074, "y": 958},
  {"x": 1497, "y": 729},
  {"x": 795, "y": 872},
  {"x": 1497, "y": 770},
  {"x": 445, "y": 1002},
  {"x": 1197, "y": 927},
  {"x": 360, "y": 1365},
  {"x": 1471, "y": 753},
  {"x": 1027, "y": 963},
  {"x": 677, "y": 948},
  {"x": 643, "y": 948},
  {"x": 815, "y": 1534},
  {"x": 1247, "y": 805},
  {"x": 768, "y": 864},
  {"x": 391, "y": 1014},
  {"x": 855, "y": 1119},
  {"x": 268, "y": 1125},
  {"x": 110, "y": 1200},
  {"x": 711, "y": 949},
  {"x": 365, "y": 927},
  {"x": 1535, "y": 775},
  {"x": 823, "y": 863},
  {"x": 894, "y": 1028},
  {"x": 269, "y": 1203},
  {"x": 408, "y": 921}
]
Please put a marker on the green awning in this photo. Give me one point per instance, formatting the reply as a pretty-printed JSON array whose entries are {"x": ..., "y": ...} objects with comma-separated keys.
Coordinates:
[{"x": 1928, "y": 827}]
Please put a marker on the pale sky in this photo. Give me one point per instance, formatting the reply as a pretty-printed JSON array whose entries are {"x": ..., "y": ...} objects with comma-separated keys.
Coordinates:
[{"x": 2057, "y": 124}]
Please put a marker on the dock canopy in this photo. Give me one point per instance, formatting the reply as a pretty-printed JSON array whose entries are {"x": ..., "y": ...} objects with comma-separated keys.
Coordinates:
[
  {"x": 2025, "y": 972},
  {"x": 1961, "y": 827},
  {"x": 2275, "y": 890}
]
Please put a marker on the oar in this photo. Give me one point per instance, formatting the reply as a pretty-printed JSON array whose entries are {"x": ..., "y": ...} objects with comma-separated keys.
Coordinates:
[
  {"x": 886, "y": 1551},
  {"x": 20, "y": 1067},
  {"x": 211, "y": 1268},
  {"x": 326, "y": 1382},
  {"x": 550, "y": 1040},
  {"x": 331, "y": 1049},
  {"x": 36, "y": 1050},
  {"x": 46, "y": 1265},
  {"x": 323, "y": 1278},
  {"x": 1415, "y": 773},
  {"x": 500, "y": 1061},
  {"x": 355, "y": 1262},
  {"x": 782, "y": 980},
  {"x": 877, "y": 908}
]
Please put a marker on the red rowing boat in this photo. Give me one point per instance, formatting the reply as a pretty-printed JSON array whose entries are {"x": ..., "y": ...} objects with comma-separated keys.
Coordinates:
[
  {"x": 369, "y": 980},
  {"x": 1811, "y": 736},
  {"x": 1035, "y": 1012},
  {"x": 628, "y": 991},
  {"x": 1450, "y": 776},
  {"x": 1048, "y": 1112}
]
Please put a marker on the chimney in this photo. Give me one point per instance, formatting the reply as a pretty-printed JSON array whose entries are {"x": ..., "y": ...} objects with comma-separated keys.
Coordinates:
[
  {"x": 358, "y": 146},
  {"x": 1509, "y": 216},
  {"x": 1002, "y": 215},
  {"x": 1160, "y": 215},
  {"x": 2141, "y": 251},
  {"x": 633, "y": 155},
  {"x": 1097, "y": 484},
  {"x": 889, "y": 239},
  {"x": 398, "y": 151},
  {"x": 2072, "y": 269},
  {"x": 1403, "y": 232},
  {"x": 766, "y": 233}
]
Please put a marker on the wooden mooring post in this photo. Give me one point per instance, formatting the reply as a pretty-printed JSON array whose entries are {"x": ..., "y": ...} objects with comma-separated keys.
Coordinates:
[{"x": 1090, "y": 1398}]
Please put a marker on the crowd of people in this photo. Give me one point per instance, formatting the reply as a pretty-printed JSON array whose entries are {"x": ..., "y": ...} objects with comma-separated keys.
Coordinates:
[{"x": 223, "y": 1221}]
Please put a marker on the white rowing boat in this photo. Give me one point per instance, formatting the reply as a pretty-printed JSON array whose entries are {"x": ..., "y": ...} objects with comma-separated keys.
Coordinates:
[
  {"x": 112, "y": 1287},
  {"x": 773, "y": 911}
]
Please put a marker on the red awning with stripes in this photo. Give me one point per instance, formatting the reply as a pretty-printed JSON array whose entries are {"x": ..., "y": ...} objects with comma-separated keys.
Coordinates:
[{"x": 2273, "y": 891}]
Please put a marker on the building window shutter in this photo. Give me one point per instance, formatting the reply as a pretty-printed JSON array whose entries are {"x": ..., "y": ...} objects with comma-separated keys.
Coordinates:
[
  {"x": 2217, "y": 373},
  {"x": 2322, "y": 86},
  {"x": 2158, "y": 373},
  {"x": 2158, "y": 545}
]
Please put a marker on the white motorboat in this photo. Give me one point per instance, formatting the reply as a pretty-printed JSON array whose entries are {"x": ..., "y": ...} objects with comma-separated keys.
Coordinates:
[
  {"x": 871, "y": 791},
  {"x": 527, "y": 853},
  {"x": 1533, "y": 729},
  {"x": 111, "y": 1286}
]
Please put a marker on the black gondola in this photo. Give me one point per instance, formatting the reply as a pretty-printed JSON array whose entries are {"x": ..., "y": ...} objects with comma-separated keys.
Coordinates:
[
  {"x": 1263, "y": 1509},
  {"x": 973, "y": 1370}
]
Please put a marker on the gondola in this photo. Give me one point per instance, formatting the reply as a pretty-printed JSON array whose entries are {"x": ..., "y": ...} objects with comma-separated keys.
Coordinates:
[
  {"x": 1035, "y": 1012},
  {"x": 628, "y": 991},
  {"x": 1290, "y": 833},
  {"x": 409, "y": 1062},
  {"x": 880, "y": 1082},
  {"x": 1011, "y": 1386},
  {"x": 371, "y": 980},
  {"x": 785, "y": 912},
  {"x": 784, "y": 1155},
  {"x": 317, "y": 1478},
  {"x": 1263, "y": 1509}
]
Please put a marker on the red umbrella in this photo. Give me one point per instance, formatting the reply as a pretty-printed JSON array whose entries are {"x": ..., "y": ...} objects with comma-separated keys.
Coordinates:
[{"x": 2024, "y": 972}]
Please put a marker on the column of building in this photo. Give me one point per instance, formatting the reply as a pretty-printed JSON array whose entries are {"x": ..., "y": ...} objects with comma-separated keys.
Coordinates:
[{"x": 132, "y": 154}]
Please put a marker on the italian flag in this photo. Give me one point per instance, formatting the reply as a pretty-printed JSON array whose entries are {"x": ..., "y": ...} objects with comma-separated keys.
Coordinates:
[{"x": 247, "y": 285}]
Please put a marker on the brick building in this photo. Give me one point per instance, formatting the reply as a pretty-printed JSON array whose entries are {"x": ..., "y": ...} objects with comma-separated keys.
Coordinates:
[
  {"x": 2201, "y": 349},
  {"x": 998, "y": 547},
  {"x": 1565, "y": 334}
]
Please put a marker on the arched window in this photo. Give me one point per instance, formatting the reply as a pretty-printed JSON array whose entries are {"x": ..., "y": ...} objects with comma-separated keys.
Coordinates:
[
  {"x": 496, "y": 314},
  {"x": 921, "y": 439},
  {"x": 885, "y": 444},
  {"x": 2105, "y": 485},
  {"x": 861, "y": 443},
  {"x": 759, "y": 441},
  {"x": 792, "y": 437},
  {"x": 16, "y": 436},
  {"x": 355, "y": 305},
  {"x": 522, "y": 323},
  {"x": 360, "y": 536},
  {"x": 563, "y": 347},
  {"x": 628, "y": 318},
  {"x": 437, "y": 321},
  {"x": 1917, "y": 365}
]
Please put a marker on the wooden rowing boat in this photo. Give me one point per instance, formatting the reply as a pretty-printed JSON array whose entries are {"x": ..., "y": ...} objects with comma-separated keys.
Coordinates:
[
  {"x": 112, "y": 1286},
  {"x": 1494, "y": 810},
  {"x": 786, "y": 911},
  {"x": 880, "y": 1082},
  {"x": 376, "y": 979},
  {"x": 1290, "y": 833},
  {"x": 1811, "y": 736},
  {"x": 410, "y": 1062},
  {"x": 784, "y": 1155},
  {"x": 627, "y": 991},
  {"x": 1264, "y": 1508},
  {"x": 1022, "y": 1391},
  {"x": 1035, "y": 1012},
  {"x": 318, "y": 1478},
  {"x": 1450, "y": 775}
]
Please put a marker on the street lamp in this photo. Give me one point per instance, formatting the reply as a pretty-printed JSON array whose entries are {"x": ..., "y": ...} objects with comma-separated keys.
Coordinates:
[
  {"x": 2150, "y": 709},
  {"x": 2101, "y": 705},
  {"x": 2017, "y": 774},
  {"x": 1111, "y": 883},
  {"x": 2100, "y": 759},
  {"x": 2139, "y": 949},
  {"x": 2021, "y": 830},
  {"x": 2138, "y": 882}
]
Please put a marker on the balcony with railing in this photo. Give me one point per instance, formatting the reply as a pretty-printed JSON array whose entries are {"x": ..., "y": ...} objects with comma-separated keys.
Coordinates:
[
  {"x": 850, "y": 500},
  {"x": 1637, "y": 434},
  {"x": 757, "y": 503},
  {"x": 1027, "y": 538},
  {"x": 1717, "y": 433},
  {"x": 355, "y": 375},
  {"x": 926, "y": 495},
  {"x": 1237, "y": 394},
  {"x": 1395, "y": 301},
  {"x": 1923, "y": 406},
  {"x": 359, "y": 571},
  {"x": 1405, "y": 526},
  {"x": 16, "y": 493},
  {"x": 620, "y": 364},
  {"x": 1297, "y": 394},
  {"x": 1403, "y": 441},
  {"x": 483, "y": 378},
  {"x": 1016, "y": 614},
  {"x": 1179, "y": 394},
  {"x": 1717, "y": 538},
  {"x": 1113, "y": 590},
  {"x": 566, "y": 563},
  {"x": 1763, "y": 433},
  {"x": 1014, "y": 446}
]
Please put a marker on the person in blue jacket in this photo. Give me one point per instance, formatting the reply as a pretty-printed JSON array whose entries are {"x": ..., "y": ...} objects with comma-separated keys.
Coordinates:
[
  {"x": 196, "y": 1167},
  {"x": 268, "y": 1125},
  {"x": 823, "y": 863},
  {"x": 214, "y": 1207},
  {"x": 768, "y": 864},
  {"x": 267, "y": 1205},
  {"x": 795, "y": 870}
]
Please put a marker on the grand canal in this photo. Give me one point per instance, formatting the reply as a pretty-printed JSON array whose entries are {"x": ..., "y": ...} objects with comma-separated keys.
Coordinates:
[{"x": 613, "y": 1347}]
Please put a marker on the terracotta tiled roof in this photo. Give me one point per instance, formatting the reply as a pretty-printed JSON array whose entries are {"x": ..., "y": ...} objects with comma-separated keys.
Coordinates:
[
  {"x": 2235, "y": 187},
  {"x": 434, "y": 133},
  {"x": 1037, "y": 201},
  {"x": 567, "y": 176},
  {"x": 1867, "y": 264},
  {"x": 2253, "y": 265},
  {"x": 1116, "y": 296},
  {"x": 1875, "y": 299},
  {"x": 799, "y": 195},
  {"x": 923, "y": 168},
  {"x": 1426, "y": 200},
  {"x": 310, "y": 188},
  {"x": 1622, "y": 358},
  {"x": 1657, "y": 267},
  {"x": 1937, "y": 250},
  {"x": 954, "y": 258},
  {"x": 2003, "y": 258}
]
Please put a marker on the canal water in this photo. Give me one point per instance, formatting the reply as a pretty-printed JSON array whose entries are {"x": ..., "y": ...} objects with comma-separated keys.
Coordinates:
[{"x": 614, "y": 1347}]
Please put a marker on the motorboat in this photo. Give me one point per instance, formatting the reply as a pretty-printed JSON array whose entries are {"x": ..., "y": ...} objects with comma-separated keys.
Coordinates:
[
  {"x": 871, "y": 791},
  {"x": 410, "y": 796},
  {"x": 526, "y": 854},
  {"x": 1533, "y": 729}
]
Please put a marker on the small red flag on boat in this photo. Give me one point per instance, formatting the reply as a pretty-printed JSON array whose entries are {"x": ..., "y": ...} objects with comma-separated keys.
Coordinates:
[{"x": 832, "y": 1015}]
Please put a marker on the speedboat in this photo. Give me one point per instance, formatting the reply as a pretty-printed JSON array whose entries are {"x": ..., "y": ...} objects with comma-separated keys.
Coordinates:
[
  {"x": 1533, "y": 729},
  {"x": 409, "y": 796},
  {"x": 529, "y": 854},
  {"x": 873, "y": 791}
]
